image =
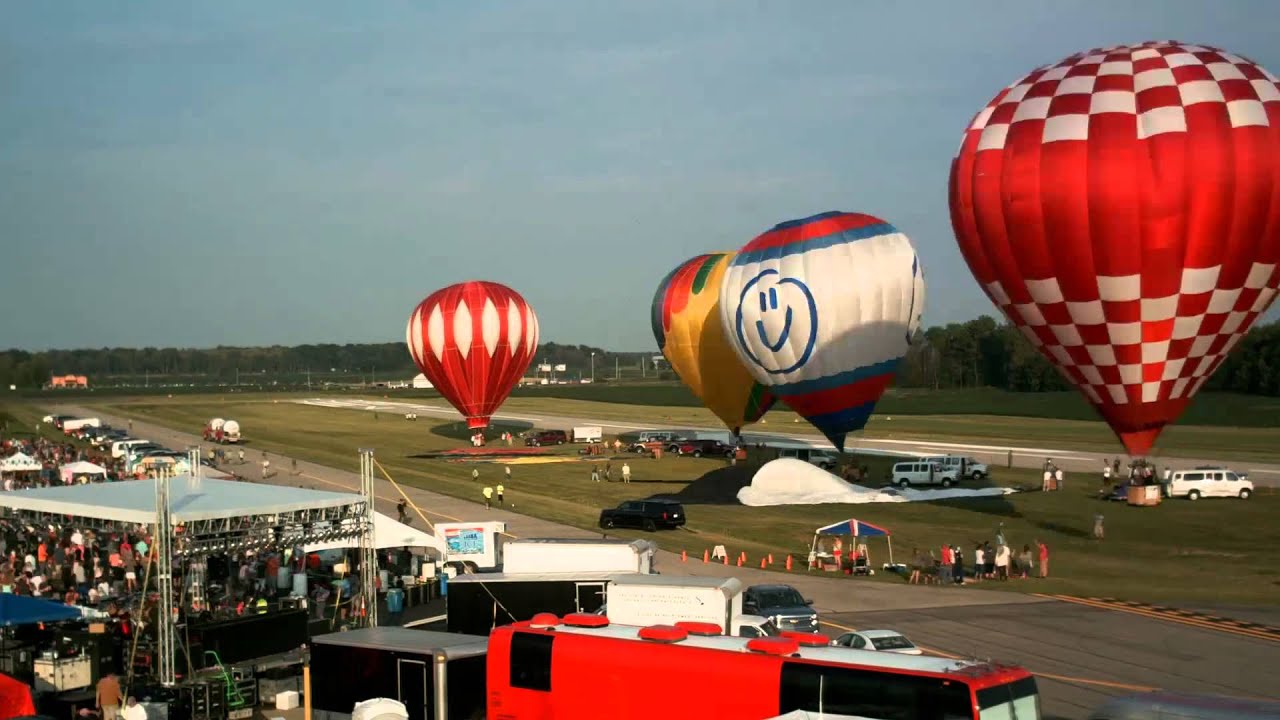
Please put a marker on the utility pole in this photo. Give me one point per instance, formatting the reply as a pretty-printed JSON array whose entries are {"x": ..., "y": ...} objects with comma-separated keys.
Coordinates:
[
  {"x": 593, "y": 366},
  {"x": 615, "y": 368},
  {"x": 308, "y": 378}
]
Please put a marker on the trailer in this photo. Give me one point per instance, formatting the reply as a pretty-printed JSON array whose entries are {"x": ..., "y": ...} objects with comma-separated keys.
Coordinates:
[
  {"x": 588, "y": 434},
  {"x": 660, "y": 600},
  {"x": 70, "y": 425},
  {"x": 437, "y": 676},
  {"x": 477, "y": 603},
  {"x": 572, "y": 555}
]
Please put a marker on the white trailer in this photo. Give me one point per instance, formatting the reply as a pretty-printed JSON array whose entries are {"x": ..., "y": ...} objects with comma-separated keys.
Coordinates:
[
  {"x": 588, "y": 433},
  {"x": 69, "y": 426},
  {"x": 660, "y": 600},
  {"x": 547, "y": 555}
]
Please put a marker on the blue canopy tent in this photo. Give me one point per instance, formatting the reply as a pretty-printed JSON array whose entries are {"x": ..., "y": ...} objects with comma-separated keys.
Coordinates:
[
  {"x": 856, "y": 529},
  {"x": 22, "y": 610}
]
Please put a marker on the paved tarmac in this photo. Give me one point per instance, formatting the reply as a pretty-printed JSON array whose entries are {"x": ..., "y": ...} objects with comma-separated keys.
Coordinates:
[
  {"x": 1081, "y": 654},
  {"x": 1262, "y": 474}
]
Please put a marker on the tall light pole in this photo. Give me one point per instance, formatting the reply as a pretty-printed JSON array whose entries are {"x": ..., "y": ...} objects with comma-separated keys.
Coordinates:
[{"x": 593, "y": 367}]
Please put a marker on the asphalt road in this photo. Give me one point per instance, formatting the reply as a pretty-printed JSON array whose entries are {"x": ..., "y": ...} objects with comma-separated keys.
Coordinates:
[
  {"x": 1080, "y": 654},
  {"x": 1262, "y": 474}
]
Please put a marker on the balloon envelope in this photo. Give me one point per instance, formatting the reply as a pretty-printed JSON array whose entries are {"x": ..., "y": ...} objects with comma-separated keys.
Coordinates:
[
  {"x": 473, "y": 341},
  {"x": 821, "y": 310},
  {"x": 686, "y": 324},
  {"x": 1122, "y": 208}
]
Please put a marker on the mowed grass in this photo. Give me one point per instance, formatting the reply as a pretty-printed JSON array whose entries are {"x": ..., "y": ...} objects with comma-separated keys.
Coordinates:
[{"x": 1210, "y": 552}]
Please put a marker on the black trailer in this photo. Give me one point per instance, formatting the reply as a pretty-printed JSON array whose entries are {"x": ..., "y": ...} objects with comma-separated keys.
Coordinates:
[
  {"x": 478, "y": 603},
  {"x": 438, "y": 676}
]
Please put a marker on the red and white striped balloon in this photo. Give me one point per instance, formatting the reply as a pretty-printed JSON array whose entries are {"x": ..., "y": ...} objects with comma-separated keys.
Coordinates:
[{"x": 473, "y": 341}]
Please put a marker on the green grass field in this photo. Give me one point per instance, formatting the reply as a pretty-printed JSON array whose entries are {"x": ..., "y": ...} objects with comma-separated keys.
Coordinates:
[{"x": 1207, "y": 552}]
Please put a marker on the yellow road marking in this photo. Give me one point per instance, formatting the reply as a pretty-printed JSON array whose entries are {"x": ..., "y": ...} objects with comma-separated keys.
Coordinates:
[{"x": 1166, "y": 616}]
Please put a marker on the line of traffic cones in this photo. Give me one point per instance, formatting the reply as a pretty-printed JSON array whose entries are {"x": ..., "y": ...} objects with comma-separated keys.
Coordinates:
[{"x": 766, "y": 561}]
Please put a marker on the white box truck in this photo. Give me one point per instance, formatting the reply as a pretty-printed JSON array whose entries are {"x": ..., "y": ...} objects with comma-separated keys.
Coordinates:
[
  {"x": 660, "y": 600},
  {"x": 70, "y": 426},
  {"x": 588, "y": 433},
  {"x": 554, "y": 555}
]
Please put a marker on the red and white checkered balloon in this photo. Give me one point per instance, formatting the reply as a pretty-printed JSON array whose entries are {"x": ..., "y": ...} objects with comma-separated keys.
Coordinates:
[
  {"x": 473, "y": 341},
  {"x": 1122, "y": 208}
]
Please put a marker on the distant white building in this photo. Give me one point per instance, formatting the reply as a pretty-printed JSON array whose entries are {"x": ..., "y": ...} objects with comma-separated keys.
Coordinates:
[{"x": 420, "y": 382}]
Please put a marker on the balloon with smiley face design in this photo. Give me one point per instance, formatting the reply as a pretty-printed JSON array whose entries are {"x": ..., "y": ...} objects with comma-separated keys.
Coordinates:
[{"x": 821, "y": 310}]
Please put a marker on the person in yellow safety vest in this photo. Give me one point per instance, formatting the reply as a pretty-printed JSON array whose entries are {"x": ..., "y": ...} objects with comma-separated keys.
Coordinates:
[
  {"x": 260, "y": 606},
  {"x": 500, "y": 489},
  {"x": 488, "y": 497}
]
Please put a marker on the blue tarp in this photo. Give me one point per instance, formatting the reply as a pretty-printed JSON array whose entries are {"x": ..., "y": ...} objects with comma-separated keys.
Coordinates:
[
  {"x": 22, "y": 610},
  {"x": 856, "y": 528}
]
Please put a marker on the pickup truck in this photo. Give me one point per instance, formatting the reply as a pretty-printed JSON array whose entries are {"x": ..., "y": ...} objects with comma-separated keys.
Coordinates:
[
  {"x": 647, "y": 514},
  {"x": 698, "y": 448}
]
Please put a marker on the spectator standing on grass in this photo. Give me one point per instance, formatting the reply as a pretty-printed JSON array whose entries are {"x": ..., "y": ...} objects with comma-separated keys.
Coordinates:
[
  {"x": 506, "y": 471},
  {"x": 988, "y": 560},
  {"x": 475, "y": 474},
  {"x": 608, "y": 472},
  {"x": 1002, "y": 561},
  {"x": 1024, "y": 561},
  {"x": 917, "y": 563},
  {"x": 957, "y": 565},
  {"x": 595, "y": 473},
  {"x": 979, "y": 562},
  {"x": 1099, "y": 532},
  {"x": 500, "y": 491},
  {"x": 944, "y": 570},
  {"x": 488, "y": 497},
  {"x": 626, "y": 473},
  {"x": 1044, "y": 559}
]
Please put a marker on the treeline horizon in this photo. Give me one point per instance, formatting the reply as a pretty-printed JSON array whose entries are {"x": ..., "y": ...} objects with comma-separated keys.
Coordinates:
[{"x": 979, "y": 353}]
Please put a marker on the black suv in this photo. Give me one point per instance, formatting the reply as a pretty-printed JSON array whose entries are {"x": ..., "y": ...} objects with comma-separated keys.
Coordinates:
[
  {"x": 698, "y": 448},
  {"x": 647, "y": 514},
  {"x": 547, "y": 437}
]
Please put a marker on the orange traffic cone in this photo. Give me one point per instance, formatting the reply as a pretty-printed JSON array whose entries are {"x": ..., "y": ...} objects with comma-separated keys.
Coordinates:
[
  {"x": 770, "y": 558},
  {"x": 684, "y": 556},
  {"x": 762, "y": 564},
  {"x": 788, "y": 563},
  {"x": 739, "y": 561},
  {"x": 706, "y": 556},
  {"x": 725, "y": 558}
]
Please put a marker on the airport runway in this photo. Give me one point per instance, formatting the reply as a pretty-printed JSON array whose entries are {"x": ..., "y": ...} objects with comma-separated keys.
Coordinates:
[
  {"x": 1081, "y": 653},
  {"x": 1262, "y": 474}
]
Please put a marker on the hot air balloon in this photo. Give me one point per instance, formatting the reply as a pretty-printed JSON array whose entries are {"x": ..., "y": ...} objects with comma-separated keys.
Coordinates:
[
  {"x": 686, "y": 324},
  {"x": 1122, "y": 208},
  {"x": 821, "y": 310},
  {"x": 473, "y": 341}
]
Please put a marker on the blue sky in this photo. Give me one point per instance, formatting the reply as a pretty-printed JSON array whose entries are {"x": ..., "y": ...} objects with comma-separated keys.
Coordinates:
[{"x": 256, "y": 173}]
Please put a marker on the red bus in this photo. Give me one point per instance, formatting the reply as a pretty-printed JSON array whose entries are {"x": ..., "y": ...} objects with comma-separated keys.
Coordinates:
[{"x": 582, "y": 667}]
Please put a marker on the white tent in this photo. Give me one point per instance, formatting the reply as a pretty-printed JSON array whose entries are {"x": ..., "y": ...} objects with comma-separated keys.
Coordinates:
[
  {"x": 19, "y": 462},
  {"x": 420, "y": 381},
  {"x": 387, "y": 533},
  {"x": 71, "y": 470}
]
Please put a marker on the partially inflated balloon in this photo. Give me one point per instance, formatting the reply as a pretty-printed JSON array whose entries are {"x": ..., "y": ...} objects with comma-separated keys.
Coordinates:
[
  {"x": 821, "y": 311},
  {"x": 686, "y": 324},
  {"x": 1122, "y": 208},
  {"x": 473, "y": 341}
]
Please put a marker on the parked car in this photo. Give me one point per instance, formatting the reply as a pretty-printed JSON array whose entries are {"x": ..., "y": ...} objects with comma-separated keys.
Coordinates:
[
  {"x": 1209, "y": 482},
  {"x": 547, "y": 437},
  {"x": 647, "y": 514},
  {"x": 825, "y": 459},
  {"x": 698, "y": 448},
  {"x": 782, "y": 604},
  {"x": 918, "y": 472},
  {"x": 881, "y": 640},
  {"x": 973, "y": 470}
]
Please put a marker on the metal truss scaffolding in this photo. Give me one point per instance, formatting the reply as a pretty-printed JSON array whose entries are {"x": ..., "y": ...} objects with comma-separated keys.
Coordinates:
[{"x": 368, "y": 547}]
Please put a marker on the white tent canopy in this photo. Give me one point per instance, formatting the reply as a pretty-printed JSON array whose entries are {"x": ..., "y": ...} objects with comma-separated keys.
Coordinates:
[
  {"x": 19, "y": 462},
  {"x": 191, "y": 499},
  {"x": 80, "y": 467},
  {"x": 387, "y": 533}
]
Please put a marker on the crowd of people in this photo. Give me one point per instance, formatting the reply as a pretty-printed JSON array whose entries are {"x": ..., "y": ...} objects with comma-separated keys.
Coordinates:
[
  {"x": 52, "y": 455},
  {"x": 996, "y": 560}
]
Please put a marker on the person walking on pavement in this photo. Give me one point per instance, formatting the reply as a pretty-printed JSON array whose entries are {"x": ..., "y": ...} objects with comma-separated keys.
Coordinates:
[
  {"x": 402, "y": 510},
  {"x": 488, "y": 497},
  {"x": 241, "y": 451},
  {"x": 266, "y": 466},
  {"x": 293, "y": 465},
  {"x": 626, "y": 473},
  {"x": 500, "y": 490},
  {"x": 507, "y": 472}
]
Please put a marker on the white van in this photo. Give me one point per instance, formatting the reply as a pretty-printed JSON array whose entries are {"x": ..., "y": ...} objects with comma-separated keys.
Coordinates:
[
  {"x": 119, "y": 447},
  {"x": 919, "y": 472},
  {"x": 1209, "y": 482}
]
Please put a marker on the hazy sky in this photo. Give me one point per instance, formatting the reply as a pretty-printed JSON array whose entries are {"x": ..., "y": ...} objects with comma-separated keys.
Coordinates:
[{"x": 267, "y": 172}]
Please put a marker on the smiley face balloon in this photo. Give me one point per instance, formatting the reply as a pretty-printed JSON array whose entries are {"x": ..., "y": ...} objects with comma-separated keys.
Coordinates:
[{"x": 821, "y": 310}]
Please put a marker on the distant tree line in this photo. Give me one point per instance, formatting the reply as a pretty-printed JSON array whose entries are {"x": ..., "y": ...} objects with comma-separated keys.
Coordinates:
[{"x": 977, "y": 353}]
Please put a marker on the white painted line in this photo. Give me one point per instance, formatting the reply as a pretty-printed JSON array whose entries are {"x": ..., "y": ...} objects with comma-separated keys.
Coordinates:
[{"x": 426, "y": 621}]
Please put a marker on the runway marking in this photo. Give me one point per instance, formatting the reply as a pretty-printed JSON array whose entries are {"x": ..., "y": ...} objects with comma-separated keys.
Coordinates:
[
  {"x": 1050, "y": 676},
  {"x": 1190, "y": 618}
]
